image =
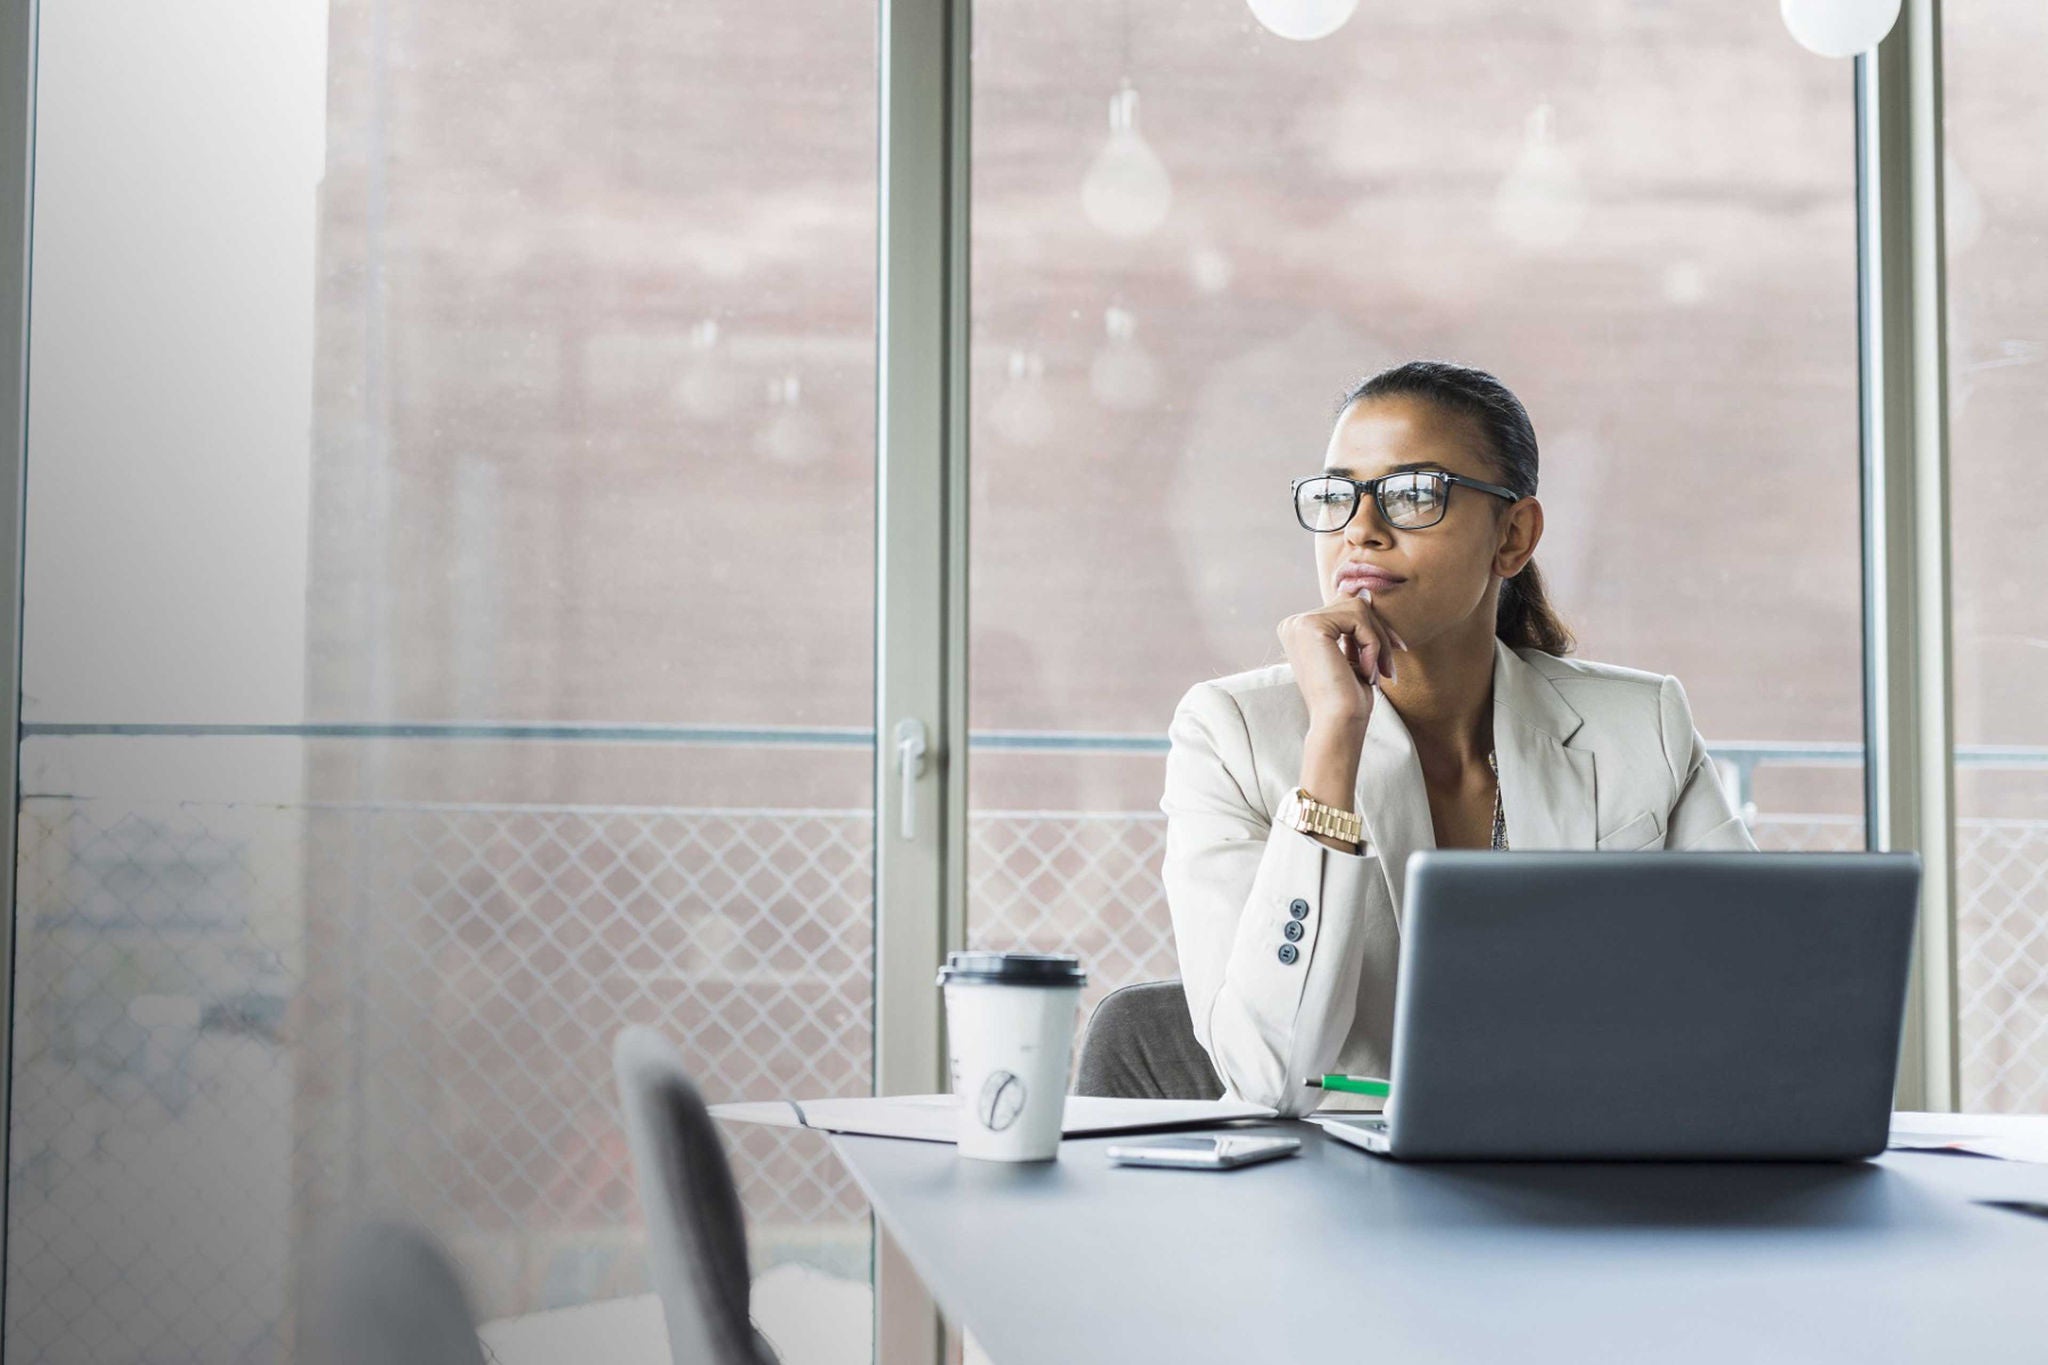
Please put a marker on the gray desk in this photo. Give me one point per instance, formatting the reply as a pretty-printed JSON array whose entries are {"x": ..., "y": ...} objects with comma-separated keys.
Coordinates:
[{"x": 1335, "y": 1256}]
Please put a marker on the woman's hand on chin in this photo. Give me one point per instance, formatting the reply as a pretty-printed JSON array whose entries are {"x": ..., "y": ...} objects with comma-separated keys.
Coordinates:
[{"x": 1340, "y": 652}]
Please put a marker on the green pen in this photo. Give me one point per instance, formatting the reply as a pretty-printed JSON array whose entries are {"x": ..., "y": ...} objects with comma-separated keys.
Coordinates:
[{"x": 1351, "y": 1085}]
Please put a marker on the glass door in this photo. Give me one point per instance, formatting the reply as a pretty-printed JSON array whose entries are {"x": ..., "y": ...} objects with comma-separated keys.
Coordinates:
[{"x": 435, "y": 411}]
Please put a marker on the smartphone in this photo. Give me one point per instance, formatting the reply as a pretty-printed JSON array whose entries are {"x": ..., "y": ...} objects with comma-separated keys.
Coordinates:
[{"x": 1213, "y": 1153}]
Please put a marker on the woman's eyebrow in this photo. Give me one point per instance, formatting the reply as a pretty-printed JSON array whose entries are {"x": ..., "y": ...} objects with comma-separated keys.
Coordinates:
[{"x": 1397, "y": 469}]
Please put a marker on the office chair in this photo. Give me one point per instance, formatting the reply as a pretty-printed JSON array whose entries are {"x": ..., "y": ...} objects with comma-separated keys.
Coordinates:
[
  {"x": 1140, "y": 1045},
  {"x": 696, "y": 1239},
  {"x": 390, "y": 1296}
]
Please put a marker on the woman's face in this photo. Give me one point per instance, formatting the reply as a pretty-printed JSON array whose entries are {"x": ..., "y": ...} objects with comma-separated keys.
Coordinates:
[{"x": 1446, "y": 572}]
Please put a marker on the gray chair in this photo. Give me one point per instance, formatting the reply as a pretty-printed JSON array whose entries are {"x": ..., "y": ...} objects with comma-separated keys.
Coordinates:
[
  {"x": 696, "y": 1238},
  {"x": 1140, "y": 1045},
  {"x": 389, "y": 1296}
]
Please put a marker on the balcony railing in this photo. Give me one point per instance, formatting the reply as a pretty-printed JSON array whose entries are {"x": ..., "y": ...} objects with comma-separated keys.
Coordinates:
[{"x": 306, "y": 1012}]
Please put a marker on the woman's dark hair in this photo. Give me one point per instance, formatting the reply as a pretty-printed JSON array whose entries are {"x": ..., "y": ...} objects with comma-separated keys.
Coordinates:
[{"x": 1525, "y": 619}]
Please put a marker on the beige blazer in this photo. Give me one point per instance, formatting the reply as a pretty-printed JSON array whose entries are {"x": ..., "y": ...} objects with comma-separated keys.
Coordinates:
[{"x": 1590, "y": 756}]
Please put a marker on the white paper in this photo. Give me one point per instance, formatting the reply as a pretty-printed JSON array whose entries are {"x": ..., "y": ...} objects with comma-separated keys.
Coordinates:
[
  {"x": 933, "y": 1118},
  {"x": 2008, "y": 1137}
]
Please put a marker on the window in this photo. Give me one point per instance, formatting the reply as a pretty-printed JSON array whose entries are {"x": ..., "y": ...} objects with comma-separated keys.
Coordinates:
[
  {"x": 1997, "y": 239},
  {"x": 432, "y": 422},
  {"x": 1190, "y": 236}
]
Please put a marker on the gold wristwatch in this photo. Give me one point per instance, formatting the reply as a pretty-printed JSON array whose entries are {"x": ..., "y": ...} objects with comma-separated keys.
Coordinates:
[{"x": 1311, "y": 816}]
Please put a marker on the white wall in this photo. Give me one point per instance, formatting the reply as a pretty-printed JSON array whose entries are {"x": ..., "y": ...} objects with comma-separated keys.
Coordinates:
[{"x": 178, "y": 154}]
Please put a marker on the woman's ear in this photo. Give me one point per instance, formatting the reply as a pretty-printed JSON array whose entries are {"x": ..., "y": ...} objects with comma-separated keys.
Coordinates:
[{"x": 1520, "y": 529}]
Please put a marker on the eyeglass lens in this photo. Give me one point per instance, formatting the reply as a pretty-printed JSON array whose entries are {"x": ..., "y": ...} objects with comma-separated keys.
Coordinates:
[{"x": 1407, "y": 501}]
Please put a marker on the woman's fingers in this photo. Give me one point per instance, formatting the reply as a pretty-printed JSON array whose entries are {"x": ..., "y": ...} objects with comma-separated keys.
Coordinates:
[
  {"x": 1349, "y": 647},
  {"x": 1384, "y": 651},
  {"x": 1372, "y": 655},
  {"x": 1393, "y": 637}
]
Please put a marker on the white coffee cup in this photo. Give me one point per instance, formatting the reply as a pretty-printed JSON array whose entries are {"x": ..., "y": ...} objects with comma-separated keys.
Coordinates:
[{"x": 1010, "y": 1037}]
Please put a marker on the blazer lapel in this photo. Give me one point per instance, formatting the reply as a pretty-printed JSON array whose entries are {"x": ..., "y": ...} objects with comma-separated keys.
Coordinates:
[
  {"x": 1546, "y": 790},
  {"x": 1392, "y": 798}
]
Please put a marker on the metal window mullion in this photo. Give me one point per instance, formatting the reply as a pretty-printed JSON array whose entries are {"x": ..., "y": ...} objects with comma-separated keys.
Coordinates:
[
  {"x": 1908, "y": 714},
  {"x": 920, "y": 554},
  {"x": 17, "y": 186}
]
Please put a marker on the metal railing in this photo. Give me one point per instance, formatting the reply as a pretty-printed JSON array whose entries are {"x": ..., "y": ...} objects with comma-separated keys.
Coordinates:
[{"x": 239, "y": 1024}]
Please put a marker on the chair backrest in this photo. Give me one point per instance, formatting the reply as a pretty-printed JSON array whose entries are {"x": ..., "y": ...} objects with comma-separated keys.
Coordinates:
[
  {"x": 696, "y": 1238},
  {"x": 1140, "y": 1045},
  {"x": 390, "y": 1296}
]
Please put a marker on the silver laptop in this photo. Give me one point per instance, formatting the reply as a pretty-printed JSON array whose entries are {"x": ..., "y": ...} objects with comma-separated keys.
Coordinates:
[{"x": 1646, "y": 1006}]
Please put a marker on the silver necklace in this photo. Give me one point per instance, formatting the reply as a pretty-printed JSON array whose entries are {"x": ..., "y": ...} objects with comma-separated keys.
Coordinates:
[{"x": 1500, "y": 824}]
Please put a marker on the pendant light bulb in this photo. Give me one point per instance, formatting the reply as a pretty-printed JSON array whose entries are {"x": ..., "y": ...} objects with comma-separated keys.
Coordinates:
[
  {"x": 1839, "y": 28},
  {"x": 706, "y": 388},
  {"x": 1304, "y": 21},
  {"x": 792, "y": 436},
  {"x": 1540, "y": 203},
  {"x": 1127, "y": 191},
  {"x": 1123, "y": 376},
  {"x": 1021, "y": 412}
]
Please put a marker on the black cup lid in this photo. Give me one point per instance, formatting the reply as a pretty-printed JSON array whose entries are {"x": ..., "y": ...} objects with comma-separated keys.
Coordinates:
[{"x": 1012, "y": 969}]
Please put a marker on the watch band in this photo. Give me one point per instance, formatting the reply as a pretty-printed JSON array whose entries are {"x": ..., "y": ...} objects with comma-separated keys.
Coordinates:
[{"x": 1311, "y": 816}]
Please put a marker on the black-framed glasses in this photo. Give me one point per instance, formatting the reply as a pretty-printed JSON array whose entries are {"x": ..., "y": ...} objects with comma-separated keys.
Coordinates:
[{"x": 1408, "y": 501}]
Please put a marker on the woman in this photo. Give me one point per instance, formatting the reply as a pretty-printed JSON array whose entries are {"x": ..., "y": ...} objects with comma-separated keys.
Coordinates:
[{"x": 1423, "y": 705}]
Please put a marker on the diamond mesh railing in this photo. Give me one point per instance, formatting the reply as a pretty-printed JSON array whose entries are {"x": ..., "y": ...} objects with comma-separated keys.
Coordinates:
[
  {"x": 238, "y": 1025},
  {"x": 2002, "y": 964}
]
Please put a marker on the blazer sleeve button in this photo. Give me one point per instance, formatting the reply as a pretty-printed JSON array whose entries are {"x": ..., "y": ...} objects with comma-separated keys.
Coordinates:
[
  {"x": 1293, "y": 930},
  {"x": 1299, "y": 909},
  {"x": 1288, "y": 953}
]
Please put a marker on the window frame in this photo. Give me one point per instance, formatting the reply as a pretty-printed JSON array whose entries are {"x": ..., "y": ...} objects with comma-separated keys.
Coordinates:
[
  {"x": 17, "y": 163},
  {"x": 1908, "y": 712}
]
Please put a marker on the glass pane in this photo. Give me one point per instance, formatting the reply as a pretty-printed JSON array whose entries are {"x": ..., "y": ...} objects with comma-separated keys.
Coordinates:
[
  {"x": 408, "y": 703},
  {"x": 1640, "y": 217},
  {"x": 1997, "y": 228}
]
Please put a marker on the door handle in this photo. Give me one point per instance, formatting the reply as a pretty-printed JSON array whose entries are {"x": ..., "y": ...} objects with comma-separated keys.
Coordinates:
[{"x": 910, "y": 751}]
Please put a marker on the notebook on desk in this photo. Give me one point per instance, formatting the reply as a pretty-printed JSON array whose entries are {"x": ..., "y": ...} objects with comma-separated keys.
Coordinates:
[{"x": 933, "y": 1118}]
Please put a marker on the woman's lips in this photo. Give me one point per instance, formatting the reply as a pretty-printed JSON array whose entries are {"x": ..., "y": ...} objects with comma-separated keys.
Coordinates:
[{"x": 1351, "y": 582}]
